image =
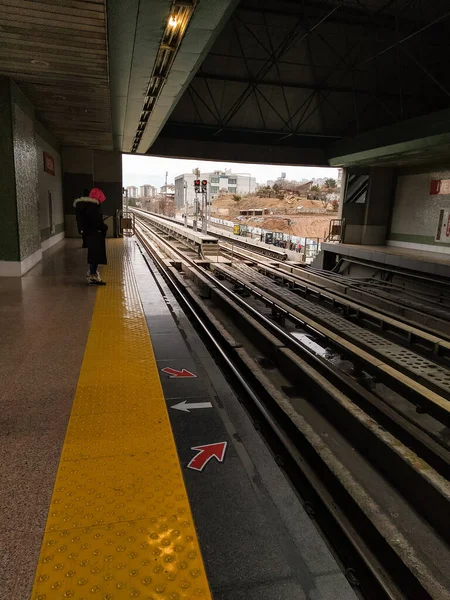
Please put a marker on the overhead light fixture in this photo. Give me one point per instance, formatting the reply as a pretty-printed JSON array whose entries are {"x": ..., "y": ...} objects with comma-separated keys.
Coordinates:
[
  {"x": 178, "y": 20},
  {"x": 40, "y": 63}
]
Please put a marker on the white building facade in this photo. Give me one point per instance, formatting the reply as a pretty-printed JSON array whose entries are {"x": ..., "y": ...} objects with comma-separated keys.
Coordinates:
[
  {"x": 132, "y": 191},
  {"x": 231, "y": 183},
  {"x": 147, "y": 191}
]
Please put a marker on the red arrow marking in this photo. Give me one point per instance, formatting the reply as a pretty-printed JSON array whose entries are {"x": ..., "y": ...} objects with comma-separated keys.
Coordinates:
[
  {"x": 175, "y": 374},
  {"x": 206, "y": 453}
]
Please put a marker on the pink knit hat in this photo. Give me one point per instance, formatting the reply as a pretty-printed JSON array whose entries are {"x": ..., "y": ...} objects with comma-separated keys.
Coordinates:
[{"x": 97, "y": 194}]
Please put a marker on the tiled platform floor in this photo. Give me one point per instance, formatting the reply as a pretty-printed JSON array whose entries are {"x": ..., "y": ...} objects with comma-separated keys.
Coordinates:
[{"x": 256, "y": 539}]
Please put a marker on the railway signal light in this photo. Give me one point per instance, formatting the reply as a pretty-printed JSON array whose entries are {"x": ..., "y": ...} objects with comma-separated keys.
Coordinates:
[
  {"x": 204, "y": 184},
  {"x": 197, "y": 185}
]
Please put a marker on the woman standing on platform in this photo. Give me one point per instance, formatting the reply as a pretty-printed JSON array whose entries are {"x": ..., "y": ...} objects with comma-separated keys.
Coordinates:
[
  {"x": 90, "y": 223},
  {"x": 85, "y": 195}
]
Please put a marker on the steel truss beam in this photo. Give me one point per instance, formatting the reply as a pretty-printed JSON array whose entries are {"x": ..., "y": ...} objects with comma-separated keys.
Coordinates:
[
  {"x": 406, "y": 38},
  {"x": 243, "y": 135},
  {"x": 348, "y": 65},
  {"x": 292, "y": 84},
  {"x": 295, "y": 36},
  {"x": 347, "y": 15}
]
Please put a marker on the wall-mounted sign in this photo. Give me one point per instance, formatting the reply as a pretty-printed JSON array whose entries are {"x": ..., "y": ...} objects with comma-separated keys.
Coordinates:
[
  {"x": 49, "y": 163},
  {"x": 236, "y": 229},
  {"x": 439, "y": 186}
]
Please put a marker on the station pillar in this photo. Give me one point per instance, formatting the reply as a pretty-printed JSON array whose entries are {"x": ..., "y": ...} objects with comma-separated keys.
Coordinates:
[
  {"x": 366, "y": 205},
  {"x": 85, "y": 168},
  {"x": 20, "y": 236}
]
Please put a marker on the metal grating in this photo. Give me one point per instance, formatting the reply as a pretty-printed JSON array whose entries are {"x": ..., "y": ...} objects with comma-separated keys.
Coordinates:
[{"x": 405, "y": 360}]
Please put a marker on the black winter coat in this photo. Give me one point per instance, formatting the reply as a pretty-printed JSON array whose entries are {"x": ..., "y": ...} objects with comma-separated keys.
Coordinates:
[{"x": 91, "y": 225}]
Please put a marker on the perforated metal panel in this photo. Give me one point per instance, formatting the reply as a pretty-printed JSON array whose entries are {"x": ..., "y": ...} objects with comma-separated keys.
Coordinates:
[{"x": 405, "y": 360}]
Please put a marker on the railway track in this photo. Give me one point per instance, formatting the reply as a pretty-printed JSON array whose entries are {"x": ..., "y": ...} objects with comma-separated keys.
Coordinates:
[
  {"x": 413, "y": 310},
  {"x": 427, "y": 383},
  {"x": 409, "y": 310},
  {"x": 355, "y": 460},
  {"x": 318, "y": 289},
  {"x": 228, "y": 237}
]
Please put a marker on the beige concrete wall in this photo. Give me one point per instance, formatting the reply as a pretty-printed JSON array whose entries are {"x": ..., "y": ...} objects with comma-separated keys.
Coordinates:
[{"x": 415, "y": 212}]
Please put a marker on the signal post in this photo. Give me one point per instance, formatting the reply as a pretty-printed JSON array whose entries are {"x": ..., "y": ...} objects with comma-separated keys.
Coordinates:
[{"x": 201, "y": 187}]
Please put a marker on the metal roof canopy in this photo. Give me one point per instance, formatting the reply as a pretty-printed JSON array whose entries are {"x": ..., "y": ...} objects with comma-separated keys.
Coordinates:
[
  {"x": 314, "y": 82},
  {"x": 285, "y": 81}
]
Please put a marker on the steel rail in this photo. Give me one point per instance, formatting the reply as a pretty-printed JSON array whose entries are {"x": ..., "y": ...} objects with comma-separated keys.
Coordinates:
[
  {"x": 360, "y": 565},
  {"x": 368, "y": 565}
]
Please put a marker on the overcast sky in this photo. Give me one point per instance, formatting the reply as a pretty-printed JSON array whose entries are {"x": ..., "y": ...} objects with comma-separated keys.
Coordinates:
[{"x": 138, "y": 170}]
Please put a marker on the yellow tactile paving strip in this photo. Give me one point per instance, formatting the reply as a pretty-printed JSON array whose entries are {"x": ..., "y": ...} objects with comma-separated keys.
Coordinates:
[{"x": 120, "y": 524}]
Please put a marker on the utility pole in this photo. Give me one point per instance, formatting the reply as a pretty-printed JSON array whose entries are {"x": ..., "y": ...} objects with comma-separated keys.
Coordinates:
[
  {"x": 185, "y": 204},
  {"x": 205, "y": 206},
  {"x": 196, "y": 190},
  {"x": 195, "y": 216},
  {"x": 165, "y": 195},
  {"x": 208, "y": 204}
]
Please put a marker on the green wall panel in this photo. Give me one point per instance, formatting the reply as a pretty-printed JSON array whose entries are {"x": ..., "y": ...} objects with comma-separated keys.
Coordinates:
[{"x": 9, "y": 232}]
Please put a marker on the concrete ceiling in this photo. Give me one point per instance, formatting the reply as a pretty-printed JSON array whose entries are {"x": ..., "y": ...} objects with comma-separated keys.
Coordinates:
[
  {"x": 314, "y": 82},
  {"x": 57, "y": 53},
  {"x": 136, "y": 30},
  {"x": 425, "y": 139}
]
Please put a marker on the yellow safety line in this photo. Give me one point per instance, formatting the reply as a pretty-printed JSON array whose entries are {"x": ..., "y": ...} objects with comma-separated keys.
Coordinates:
[{"x": 119, "y": 525}]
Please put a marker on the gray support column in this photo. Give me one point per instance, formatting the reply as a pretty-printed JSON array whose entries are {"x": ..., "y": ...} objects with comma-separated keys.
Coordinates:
[
  {"x": 9, "y": 229},
  {"x": 378, "y": 206},
  {"x": 353, "y": 204},
  {"x": 366, "y": 205},
  {"x": 20, "y": 240},
  {"x": 88, "y": 168},
  {"x": 342, "y": 193}
]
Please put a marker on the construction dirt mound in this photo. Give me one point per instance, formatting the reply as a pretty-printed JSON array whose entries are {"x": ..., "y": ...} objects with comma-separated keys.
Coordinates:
[
  {"x": 289, "y": 204},
  {"x": 311, "y": 226},
  {"x": 286, "y": 220}
]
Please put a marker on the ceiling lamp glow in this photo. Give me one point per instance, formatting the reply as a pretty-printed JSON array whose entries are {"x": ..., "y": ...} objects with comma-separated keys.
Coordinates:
[
  {"x": 40, "y": 63},
  {"x": 179, "y": 17}
]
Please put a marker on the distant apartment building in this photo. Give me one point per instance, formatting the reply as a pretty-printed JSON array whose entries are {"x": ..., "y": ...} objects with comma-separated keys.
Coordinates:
[
  {"x": 169, "y": 188},
  {"x": 147, "y": 191},
  {"x": 133, "y": 191},
  {"x": 232, "y": 183}
]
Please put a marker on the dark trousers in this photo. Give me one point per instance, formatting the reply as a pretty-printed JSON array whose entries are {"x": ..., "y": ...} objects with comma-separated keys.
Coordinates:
[{"x": 93, "y": 269}]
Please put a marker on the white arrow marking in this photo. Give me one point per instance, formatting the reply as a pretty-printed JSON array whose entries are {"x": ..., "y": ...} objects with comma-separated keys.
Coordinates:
[{"x": 187, "y": 407}]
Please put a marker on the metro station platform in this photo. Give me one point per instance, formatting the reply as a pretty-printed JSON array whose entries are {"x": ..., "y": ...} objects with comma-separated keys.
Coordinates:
[
  {"x": 422, "y": 261},
  {"x": 129, "y": 467}
]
